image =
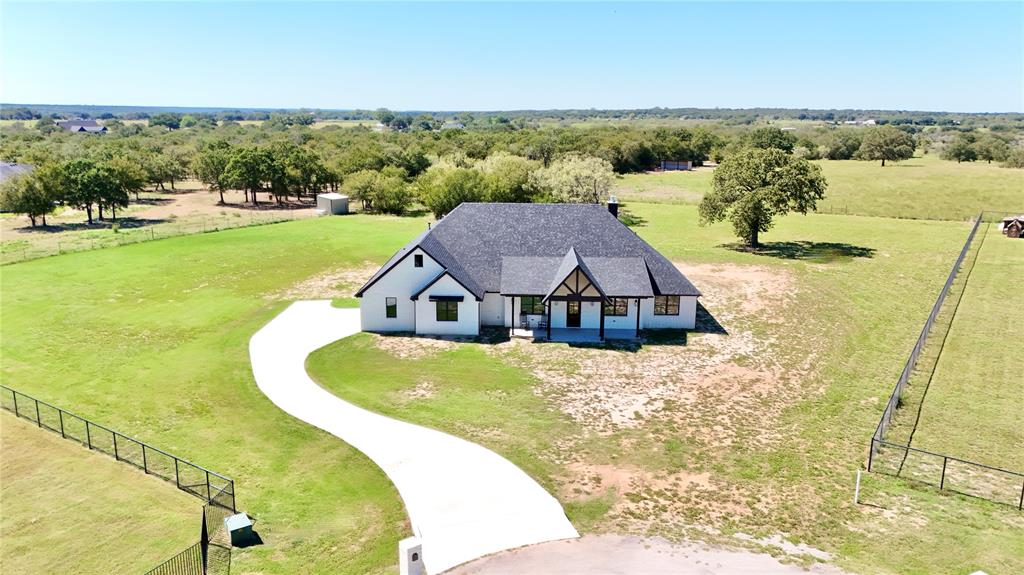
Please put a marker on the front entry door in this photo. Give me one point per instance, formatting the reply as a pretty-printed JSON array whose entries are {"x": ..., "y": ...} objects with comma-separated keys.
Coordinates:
[{"x": 572, "y": 314}]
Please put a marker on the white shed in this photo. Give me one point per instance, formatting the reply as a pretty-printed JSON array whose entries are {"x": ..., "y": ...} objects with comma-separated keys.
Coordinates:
[{"x": 331, "y": 204}]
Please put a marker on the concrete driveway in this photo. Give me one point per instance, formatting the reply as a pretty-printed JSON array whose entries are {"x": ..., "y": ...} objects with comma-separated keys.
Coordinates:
[{"x": 464, "y": 501}]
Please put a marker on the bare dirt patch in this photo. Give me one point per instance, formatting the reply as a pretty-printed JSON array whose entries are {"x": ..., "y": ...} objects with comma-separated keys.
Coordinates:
[
  {"x": 719, "y": 380},
  {"x": 339, "y": 283},
  {"x": 414, "y": 346}
]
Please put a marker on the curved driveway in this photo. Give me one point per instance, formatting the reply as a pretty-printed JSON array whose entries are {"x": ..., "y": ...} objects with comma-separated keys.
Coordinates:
[{"x": 464, "y": 501}]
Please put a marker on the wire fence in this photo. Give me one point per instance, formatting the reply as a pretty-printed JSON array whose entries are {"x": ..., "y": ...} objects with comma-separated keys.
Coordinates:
[
  {"x": 893, "y": 455},
  {"x": 14, "y": 252},
  {"x": 210, "y": 486},
  {"x": 211, "y": 555}
]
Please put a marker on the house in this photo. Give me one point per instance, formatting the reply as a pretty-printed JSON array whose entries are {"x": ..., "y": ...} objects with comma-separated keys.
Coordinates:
[
  {"x": 453, "y": 125},
  {"x": 555, "y": 271},
  {"x": 673, "y": 165},
  {"x": 80, "y": 125},
  {"x": 1013, "y": 227},
  {"x": 10, "y": 170}
]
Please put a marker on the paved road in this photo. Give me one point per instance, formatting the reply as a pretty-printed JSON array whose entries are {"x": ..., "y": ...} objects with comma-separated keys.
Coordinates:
[{"x": 464, "y": 501}]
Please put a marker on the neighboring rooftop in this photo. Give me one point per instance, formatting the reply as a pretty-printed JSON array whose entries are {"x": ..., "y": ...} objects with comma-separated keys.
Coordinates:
[
  {"x": 518, "y": 249},
  {"x": 81, "y": 125},
  {"x": 10, "y": 170}
]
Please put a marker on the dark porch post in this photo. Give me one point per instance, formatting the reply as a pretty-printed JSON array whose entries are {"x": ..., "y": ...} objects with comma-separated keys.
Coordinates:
[
  {"x": 512, "y": 320},
  {"x": 637, "y": 317},
  {"x": 549, "y": 319},
  {"x": 601, "y": 329}
]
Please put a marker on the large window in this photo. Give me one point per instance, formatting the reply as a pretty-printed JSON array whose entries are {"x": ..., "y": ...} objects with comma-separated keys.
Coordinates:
[
  {"x": 666, "y": 305},
  {"x": 532, "y": 305},
  {"x": 616, "y": 306},
  {"x": 391, "y": 307},
  {"x": 447, "y": 311}
]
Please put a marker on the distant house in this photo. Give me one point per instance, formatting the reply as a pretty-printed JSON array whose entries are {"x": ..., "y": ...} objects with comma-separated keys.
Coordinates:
[
  {"x": 9, "y": 170},
  {"x": 453, "y": 126},
  {"x": 1013, "y": 226},
  {"x": 81, "y": 125},
  {"x": 675, "y": 165},
  {"x": 570, "y": 272}
]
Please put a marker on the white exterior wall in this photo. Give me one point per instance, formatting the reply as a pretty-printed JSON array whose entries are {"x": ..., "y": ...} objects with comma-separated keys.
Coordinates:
[
  {"x": 687, "y": 318},
  {"x": 590, "y": 314},
  {"x": 492, "y": 309},
  {"x": 623, "y": 322},
  {"x": 400, "y": 283},
  {"x": 426, "y": 310}
]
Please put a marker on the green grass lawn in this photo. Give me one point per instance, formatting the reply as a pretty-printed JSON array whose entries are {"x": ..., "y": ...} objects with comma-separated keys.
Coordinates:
[
  {"x": 152, "y": 339},
  {"x": 67, "y": 509},
  {"x": 973, "y": 409},
  {"x": 922, "y": 188}
]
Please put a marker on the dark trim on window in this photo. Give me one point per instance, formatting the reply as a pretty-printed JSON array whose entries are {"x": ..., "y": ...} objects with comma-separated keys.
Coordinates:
[
  {"x": 666, "y": 305},
  {"x": 390, "y": 307},
  {"x": 616, "y": 307},
  {"x": 447, "y": 310},
  {"x": 417, "y": 260},
  {"x": 532, "y": 305},
  {"x": 446, "y": 298}
]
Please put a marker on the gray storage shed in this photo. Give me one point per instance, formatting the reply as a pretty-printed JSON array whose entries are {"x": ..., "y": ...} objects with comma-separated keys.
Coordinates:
[{"x": 331, "y": 204}]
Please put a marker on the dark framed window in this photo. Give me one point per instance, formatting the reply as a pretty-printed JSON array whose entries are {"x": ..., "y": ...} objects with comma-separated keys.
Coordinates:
[
  {"x": 417, "y": 260},
  {"x": 616, "y": 306},
  {"x": 666, "y": 305},
  {"x": 532, "y": 305},
  {"x": 447, "y": 311},
  {"x": 391, "y": 307}
]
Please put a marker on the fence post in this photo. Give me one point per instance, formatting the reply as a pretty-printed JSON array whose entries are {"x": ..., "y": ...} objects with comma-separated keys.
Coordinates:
[
  {"x": 39, "y": 420},
  {"x": 204, "y": 541},
  {"x": 60, "y": 413},
  {"x": 88, "y": 434},
  {"x": 14, "y": 394},
  {"x": 116, "y": 456},
  {"x": 871, "y": 454},
  {"x": 177, "y": 477},
  {"x": 145, "y": 465},
  {"x": 207, "y": 486},
  {"x": 1020, "y": 504},
  {"x": 942, "y": 482}
]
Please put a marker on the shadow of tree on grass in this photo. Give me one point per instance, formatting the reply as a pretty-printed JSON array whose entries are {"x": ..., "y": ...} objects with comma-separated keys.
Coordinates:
[{"x": 820, "y": 252}]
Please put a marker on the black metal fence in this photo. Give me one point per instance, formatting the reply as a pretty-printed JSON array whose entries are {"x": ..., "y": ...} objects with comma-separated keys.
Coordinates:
[
  {"x": 208, "y": 485},
  {"x": 891, "y": 457},
  {"x": 211, "y": 555}
]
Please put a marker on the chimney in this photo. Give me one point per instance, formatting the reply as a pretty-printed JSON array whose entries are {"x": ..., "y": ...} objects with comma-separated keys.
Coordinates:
[{"x": 613, "y": 206}]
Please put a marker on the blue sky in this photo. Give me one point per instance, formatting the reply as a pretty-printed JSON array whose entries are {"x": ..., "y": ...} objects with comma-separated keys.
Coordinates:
[{"x": 487, "y": 56}]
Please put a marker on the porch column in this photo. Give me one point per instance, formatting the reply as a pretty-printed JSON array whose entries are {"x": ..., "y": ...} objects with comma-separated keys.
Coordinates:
[
  {"x": 601, "y": 328},
  {"x": 512, "y": 320},
  {"x": 637, "y": 317},
  {"x": 549, "y": 319}
]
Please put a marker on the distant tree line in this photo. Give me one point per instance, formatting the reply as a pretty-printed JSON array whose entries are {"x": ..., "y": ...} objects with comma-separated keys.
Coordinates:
[{"x": 487, "y": 157}]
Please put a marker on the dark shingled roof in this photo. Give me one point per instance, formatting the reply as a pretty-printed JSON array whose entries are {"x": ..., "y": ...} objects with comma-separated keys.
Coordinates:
[
  {"x": 519, "y": 248},
  {"x": 9, "y": 170}
]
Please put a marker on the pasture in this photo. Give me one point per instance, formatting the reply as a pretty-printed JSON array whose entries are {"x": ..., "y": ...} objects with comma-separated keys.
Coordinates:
[
  {"x": 67, "y": 509},
  {"x": 972, "y": 409},
  {"x": 924, "y": 187},
  {"x": 767, "y": 445}
]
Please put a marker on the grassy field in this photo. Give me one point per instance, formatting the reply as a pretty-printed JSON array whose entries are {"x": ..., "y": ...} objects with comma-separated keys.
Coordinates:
[
  {"x": 767, "y": 446},
  {"x": 783, "y": 450},
  {"x": 923, "y": 187},
  {"x": 152, "y": 339},
  {"x": 973, "y": 406},
  {"x": 66, "y": 509}
]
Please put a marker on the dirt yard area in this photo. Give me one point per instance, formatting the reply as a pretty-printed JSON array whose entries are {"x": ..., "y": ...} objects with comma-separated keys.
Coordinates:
[{"x": 189, "y": 208}]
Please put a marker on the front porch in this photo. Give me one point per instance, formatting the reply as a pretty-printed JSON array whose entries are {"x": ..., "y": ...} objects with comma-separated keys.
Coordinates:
[{"x": 574, "y": 334}]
